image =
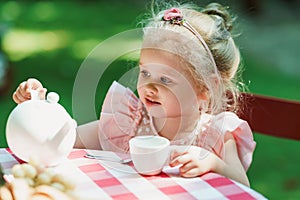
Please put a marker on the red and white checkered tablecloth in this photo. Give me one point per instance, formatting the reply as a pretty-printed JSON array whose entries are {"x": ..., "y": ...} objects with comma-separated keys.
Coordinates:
[{"x": 111, "y": 180}]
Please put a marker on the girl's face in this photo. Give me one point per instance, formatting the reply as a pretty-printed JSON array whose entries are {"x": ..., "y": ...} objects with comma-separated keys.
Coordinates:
[{"x": 164, "y": 86}]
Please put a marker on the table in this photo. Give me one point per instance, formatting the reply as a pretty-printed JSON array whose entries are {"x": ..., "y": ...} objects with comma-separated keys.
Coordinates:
[{"x": 96, "y": 179}]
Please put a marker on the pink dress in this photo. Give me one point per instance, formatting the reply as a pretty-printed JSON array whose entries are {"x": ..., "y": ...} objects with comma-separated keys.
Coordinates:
[{"x": 123, "y": 116}]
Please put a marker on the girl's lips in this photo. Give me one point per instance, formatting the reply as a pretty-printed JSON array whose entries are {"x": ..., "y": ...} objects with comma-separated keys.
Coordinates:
[{"x": 151, "y": 102}]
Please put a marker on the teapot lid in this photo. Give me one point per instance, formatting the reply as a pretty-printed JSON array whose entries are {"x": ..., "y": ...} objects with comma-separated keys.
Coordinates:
[{"x": 52, "y": 97}]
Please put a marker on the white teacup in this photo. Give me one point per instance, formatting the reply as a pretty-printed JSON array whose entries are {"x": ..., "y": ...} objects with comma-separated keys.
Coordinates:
[{"x": 149, "y": 154}]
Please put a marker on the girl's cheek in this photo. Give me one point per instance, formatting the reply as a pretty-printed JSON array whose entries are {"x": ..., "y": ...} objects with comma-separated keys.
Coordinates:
[{"x": 140, "y": 92}]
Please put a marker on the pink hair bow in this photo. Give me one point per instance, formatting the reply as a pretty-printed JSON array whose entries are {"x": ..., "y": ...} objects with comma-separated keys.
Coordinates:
[{"x": 173, "y": 15}]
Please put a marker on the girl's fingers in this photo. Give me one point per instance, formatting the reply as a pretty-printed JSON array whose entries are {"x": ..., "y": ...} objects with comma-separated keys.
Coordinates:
[
  {"x": 33, "y": 84},
  {"x": 175, "y": 154},
  {"x": 21, "y": 90},
  {"x": 181, "y": 159},
  {"x": 18, "y": 98},
  {"x": 42, "y": 93},
  {"x": 15, "y": 98},
  {"x": 187, "y": 167},
  {"x": 191, "y": 173}
]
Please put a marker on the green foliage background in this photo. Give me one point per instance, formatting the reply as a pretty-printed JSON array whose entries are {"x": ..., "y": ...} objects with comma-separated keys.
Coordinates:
[{"x": 50, "y": 39}]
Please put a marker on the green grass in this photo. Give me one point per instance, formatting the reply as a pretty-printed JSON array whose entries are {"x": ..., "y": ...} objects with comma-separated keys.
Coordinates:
[
  {"x": 51, "y": 41},
  {"x": 275, "y": 168}
]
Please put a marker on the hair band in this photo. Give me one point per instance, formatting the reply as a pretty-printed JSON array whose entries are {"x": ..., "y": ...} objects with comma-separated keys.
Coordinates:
[{"x": 174, "y": 16}]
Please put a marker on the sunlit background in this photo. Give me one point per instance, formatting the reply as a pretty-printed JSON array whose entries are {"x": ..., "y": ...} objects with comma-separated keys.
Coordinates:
[{"x": 50, "y": 39}]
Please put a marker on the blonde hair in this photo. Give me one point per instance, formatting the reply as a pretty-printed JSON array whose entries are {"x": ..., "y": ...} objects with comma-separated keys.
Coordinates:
[{"x": 214, "y": 24}]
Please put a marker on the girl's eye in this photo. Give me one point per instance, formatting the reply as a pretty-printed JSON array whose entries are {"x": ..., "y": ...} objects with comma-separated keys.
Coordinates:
[
  {"x": 145, "y": 73},
  {"x": 165, "y": 80}
]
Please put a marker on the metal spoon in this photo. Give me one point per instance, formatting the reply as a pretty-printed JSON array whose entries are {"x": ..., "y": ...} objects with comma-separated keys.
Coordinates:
[{"x": 122, "y": 161}]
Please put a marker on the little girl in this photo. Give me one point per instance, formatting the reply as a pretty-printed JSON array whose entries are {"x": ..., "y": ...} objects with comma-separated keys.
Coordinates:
[{"x": 186, "y": 89}]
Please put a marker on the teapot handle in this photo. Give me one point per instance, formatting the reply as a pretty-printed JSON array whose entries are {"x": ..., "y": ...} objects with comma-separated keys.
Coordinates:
[
  {"x": 63, "y": 132},
  {"x": 34, "y": 95}
]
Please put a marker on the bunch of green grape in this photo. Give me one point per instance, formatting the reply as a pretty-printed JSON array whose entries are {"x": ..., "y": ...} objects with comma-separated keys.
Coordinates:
[{"x": 36, "y": 176}]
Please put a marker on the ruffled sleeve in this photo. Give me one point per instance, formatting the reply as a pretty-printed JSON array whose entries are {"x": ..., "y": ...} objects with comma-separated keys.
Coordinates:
[
  {"x": 119, "y": 119},
  {"x": 229, "y": 122}
]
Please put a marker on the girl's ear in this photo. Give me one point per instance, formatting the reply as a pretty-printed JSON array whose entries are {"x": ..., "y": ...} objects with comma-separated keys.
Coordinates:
[
  {"x": 202, "y": 96},
  {"x": 202, "y": 100}
]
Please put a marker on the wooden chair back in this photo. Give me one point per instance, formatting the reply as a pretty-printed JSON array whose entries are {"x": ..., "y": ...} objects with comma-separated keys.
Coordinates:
[{"x": 272, "y": 116}]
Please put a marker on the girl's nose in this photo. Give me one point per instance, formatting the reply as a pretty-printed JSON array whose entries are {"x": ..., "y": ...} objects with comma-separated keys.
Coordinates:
[{"x": 150, "y": 89}]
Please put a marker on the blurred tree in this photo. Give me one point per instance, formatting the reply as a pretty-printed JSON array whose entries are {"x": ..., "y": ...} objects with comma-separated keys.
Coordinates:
[
  {"x": 5, "y": 70},
  {"x": 252, "y": 6}
]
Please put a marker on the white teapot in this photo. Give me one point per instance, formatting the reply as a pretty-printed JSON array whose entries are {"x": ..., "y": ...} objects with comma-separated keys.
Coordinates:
[{"x": 41, "y": 130}]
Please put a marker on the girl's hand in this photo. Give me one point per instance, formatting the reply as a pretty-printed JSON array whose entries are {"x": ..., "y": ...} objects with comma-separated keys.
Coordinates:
[
  {"x": 195, "y": 161},
  {"x": 22, "y": 93}
]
